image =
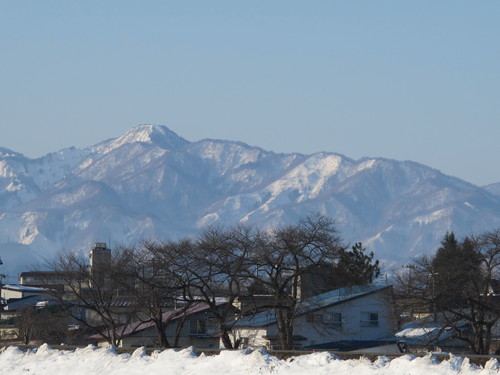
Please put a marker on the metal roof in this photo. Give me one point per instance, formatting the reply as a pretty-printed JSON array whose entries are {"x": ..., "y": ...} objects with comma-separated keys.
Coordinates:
[
  {"x": 128, "y": 329},
  {"x": 321, "y": 301},
  {"x": 25, "y": 288}
]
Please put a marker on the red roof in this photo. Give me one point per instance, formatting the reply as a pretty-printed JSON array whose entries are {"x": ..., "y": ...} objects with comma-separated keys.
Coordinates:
[{"x": 170, "y": 315}]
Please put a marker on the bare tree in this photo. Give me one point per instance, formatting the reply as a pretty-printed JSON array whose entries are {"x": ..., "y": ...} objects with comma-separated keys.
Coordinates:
[
  {"x": 26, "y": 324},
  {"x": 92, "y": 297},
  {"x": 45, "y": 324},
  {"x": 284, "y": 255},
  {"x": 153, "y": 283},
  {"x": 216, "y": 266}
]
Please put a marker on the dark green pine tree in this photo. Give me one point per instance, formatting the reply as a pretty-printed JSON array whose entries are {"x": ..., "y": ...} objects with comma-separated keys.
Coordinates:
[{"x": 355, "y": 267}]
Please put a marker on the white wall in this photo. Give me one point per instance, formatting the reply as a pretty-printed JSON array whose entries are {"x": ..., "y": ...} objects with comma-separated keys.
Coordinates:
[
  {"x": 319, "y": 332},
  {"x": 351, "y": 327},
  {"x": 253, "y": 336}
]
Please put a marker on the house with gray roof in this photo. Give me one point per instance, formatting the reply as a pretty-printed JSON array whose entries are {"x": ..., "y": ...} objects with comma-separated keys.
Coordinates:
[{"x": 342, "y": 319}]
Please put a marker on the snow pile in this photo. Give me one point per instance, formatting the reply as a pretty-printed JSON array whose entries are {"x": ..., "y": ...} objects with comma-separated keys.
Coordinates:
[{"x": 105, "y": 361}]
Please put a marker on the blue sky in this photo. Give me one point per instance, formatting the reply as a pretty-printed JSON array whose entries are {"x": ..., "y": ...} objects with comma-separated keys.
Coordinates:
[{"x": 407, "y": 80}]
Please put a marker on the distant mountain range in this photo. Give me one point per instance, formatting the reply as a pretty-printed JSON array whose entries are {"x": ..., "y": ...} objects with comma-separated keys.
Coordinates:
[{"x": 152, "y": 184}]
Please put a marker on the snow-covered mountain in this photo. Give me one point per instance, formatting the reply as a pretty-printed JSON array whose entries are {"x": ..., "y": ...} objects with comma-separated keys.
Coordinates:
[{"x": 151, "y": 183}]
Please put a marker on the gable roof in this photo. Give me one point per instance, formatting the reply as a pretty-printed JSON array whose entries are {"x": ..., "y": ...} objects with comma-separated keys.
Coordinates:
[
  {"x": 321, "y": 301},
  {"x": 131, "y": 328}
]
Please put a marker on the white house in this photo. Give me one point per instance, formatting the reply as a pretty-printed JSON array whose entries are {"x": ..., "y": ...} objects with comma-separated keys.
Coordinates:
[
  {"x": 343, "y": 319},
  {"x": 15, "y": 297},
  {"x": 9, "y": 291}
]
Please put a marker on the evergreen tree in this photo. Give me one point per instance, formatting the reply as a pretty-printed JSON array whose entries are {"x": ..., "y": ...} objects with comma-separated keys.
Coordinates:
[{"x": 355, "y": 267}]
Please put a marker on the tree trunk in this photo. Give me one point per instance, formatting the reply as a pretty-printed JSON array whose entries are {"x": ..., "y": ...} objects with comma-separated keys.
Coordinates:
[
  {"x": 226, "y": 340},
  {"x": 162, "y": 335},
  {"x": 178, "y": 329},
  {"x": 285, "y": 329}
]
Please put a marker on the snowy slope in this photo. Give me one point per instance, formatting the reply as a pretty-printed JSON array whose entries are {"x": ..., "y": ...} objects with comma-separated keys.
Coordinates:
[{"x": 151, "y": 183}]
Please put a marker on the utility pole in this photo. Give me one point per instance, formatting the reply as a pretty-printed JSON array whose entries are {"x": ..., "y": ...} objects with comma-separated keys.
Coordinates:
[
  {"x": 1, "y": 298},
  {"x": 434, "y": 307}
]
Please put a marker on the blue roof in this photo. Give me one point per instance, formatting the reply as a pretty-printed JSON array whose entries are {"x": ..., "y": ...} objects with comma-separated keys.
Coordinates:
[{"x": 333, "y": 297}]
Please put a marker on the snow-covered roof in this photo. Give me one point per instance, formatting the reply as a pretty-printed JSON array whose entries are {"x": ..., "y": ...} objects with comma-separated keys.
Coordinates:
[
  {"x": 25, "y": 288},
  {"x": 425, "y": 332}
]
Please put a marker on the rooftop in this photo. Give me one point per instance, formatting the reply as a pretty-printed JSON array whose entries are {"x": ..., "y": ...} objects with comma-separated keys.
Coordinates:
[{"x": 24, "y": 288}]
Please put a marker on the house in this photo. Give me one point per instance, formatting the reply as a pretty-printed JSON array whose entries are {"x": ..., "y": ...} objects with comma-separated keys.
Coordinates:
[
  {"x": 429, "y": 334},
  {"x": 12, "y": 291},
  {"x": 41, "y": 278},
  {"x": 194, "y": 326},
  {"x": 342, "y": 319},
  {"x": 16, "y": 297}
]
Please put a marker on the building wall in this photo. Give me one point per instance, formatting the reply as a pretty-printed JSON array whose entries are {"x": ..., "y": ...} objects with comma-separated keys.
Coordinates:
[
  {"x": 356, "y": 324},
  {"x": 8, "y": 333},
  {"x": 320, "y": 327},
  {"x": 250, "y": 337},
  {"x": 199, "y": 330},
  {"x": 9, "y": 294},
  {"x": 16, "y": 293},
  {"x": 100, "y": 263}
]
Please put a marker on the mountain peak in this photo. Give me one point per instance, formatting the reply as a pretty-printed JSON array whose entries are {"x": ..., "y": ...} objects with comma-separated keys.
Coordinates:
[{"x": 158, "y": 135}]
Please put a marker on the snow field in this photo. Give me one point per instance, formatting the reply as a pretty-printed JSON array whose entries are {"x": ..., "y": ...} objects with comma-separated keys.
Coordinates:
[{"x": 105, "y": 361}]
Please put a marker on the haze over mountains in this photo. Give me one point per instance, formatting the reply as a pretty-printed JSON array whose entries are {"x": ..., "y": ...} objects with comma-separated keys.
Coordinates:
[{"x": 152, "y": 184}]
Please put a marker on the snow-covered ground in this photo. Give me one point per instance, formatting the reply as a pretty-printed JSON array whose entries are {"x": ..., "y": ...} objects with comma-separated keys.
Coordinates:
[{"x": 105, "y": 361}]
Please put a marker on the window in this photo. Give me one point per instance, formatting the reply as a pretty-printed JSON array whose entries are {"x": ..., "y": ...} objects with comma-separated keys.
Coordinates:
[
  {"x": 202, "y": 327},
  {"x": 314, "y": 318},
  {"x": 332, "y": 319},
  {"x": 197, "y": 327},
  {"x": 369, "y": 319}
]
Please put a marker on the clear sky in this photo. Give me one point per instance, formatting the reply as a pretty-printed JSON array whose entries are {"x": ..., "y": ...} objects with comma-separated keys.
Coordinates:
[{"x": 407, "y": 80}]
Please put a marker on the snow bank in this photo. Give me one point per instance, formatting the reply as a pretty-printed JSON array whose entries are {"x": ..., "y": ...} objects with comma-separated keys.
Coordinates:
[{"x": 105, "y": 361}]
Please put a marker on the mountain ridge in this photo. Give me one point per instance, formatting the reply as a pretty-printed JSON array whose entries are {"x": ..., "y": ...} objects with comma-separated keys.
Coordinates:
[{"x": 151, "y": 183}]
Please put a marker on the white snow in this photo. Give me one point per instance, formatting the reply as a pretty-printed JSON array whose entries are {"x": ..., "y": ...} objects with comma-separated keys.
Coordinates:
[
  {"x": 469, "y": 205},
  {"x": 433, "y": 216},
  {"x": 14, "y": 186},
  {"x": 308, "y": 178},
  {"x": 143, "y": 134},
  {"x": 105, "y": 361},
  {"x": 365, "y": 164},
  {"x": 417, "y": 332},
  {"x": 30, "y": 231},
  {"x": 137, "y": 134}
]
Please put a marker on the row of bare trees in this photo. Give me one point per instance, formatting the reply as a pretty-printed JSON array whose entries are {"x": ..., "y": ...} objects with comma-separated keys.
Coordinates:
[
  {"x": 220, "y": 262},
  {"x": 458, "y": 285}
]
